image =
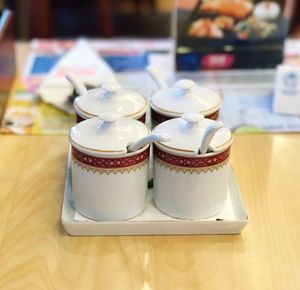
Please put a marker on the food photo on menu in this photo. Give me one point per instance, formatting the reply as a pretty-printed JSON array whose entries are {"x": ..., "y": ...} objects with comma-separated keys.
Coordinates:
[{"x": 226, "y": 34}]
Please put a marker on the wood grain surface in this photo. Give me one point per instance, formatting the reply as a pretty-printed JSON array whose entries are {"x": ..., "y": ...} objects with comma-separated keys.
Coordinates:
[{"x": 36, "y": 253}]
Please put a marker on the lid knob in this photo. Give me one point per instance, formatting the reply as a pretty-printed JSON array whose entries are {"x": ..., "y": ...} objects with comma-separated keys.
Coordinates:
[
  {"x": 192, "y": 117},
  {"x": 109, "y": 117},
  {"x": 111, "y": 87},
  {"x": 185, "y": 84}
]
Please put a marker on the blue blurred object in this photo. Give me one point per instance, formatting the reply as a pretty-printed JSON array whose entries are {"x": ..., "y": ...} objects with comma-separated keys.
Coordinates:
[
  {"x": 43, "y": 64},
  {"x": 121, "y": 63},
  {"x": 188, "y": 61}
]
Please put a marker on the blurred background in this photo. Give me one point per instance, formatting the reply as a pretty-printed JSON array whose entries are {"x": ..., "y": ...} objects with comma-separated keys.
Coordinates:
[
  {"x": 94, "y": 18},
  {"x": 41, "y": 40}
]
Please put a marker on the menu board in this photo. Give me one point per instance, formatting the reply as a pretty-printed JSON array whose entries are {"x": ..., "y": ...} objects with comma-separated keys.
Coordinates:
[{"x": 226, "y": 34}]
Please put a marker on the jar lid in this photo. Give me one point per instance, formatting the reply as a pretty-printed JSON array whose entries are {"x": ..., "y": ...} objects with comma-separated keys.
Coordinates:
[
  {"x": 107, "y": 134},
  {"x": 111, "y": 98},
  {"x": 185, "y": 96},
  {"x": 188, "y": 132}
]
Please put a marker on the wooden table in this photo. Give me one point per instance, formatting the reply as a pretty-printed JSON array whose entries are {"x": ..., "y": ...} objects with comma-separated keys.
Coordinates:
[{"x": 36, "y": 253}]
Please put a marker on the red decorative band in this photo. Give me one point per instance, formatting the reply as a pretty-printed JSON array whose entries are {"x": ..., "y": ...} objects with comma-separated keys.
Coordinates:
[
  {"x": 110, "y": 163},
  {"x": 191, "y": 162},
  {"x": 141, "y": 119},
  {"x": 158, "y": 118}
]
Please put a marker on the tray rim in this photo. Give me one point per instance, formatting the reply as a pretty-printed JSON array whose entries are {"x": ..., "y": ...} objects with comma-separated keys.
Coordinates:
[{"x": 154, "y": 227}]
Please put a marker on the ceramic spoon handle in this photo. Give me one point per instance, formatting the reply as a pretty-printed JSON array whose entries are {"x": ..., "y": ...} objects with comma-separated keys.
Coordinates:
[
  {"x": 77, "y": 84},
  {"x": 156, "y": 77},
  {"x": 147, "y": 140},
  {"x": 208, "y": 135}
]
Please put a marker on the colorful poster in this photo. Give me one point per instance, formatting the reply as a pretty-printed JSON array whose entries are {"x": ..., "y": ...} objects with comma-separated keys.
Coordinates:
[{"x": 226, "y": 34}]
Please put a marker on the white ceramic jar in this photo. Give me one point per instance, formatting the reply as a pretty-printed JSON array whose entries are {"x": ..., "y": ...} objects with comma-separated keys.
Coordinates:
[
  {"x": 111, "y": 98},
  {"x": 187, "y": 184},
  {"x": 185, "y": 96},
  {"x": 107, "y": 182}
]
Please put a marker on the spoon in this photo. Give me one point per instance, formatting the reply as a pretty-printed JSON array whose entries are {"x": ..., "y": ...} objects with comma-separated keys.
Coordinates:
[
  {"x": 208, "y": 135},
  {"x": 147, "y": 140},
  {"x": 77, "y": 84},
  {"x": 156, "y": 77}
]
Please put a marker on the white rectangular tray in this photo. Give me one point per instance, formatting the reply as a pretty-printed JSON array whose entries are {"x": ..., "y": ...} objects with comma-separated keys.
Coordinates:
[{"x": 153, "y": 222}]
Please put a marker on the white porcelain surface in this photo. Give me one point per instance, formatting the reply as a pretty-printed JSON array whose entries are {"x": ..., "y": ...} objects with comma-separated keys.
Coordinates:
[
  {"x": 183, "y": 187},
  {"x": 110, "y": 187},
  {"x": 111, "y": 98},
  {"x": 76, "y": 82},
  {"x": 107, "y": 134},
  {"x": 186, "y": 134},
  {"x": 190, "y": 195},
  {"x": 185, "y": 96},
  {"x": 149, "y": 139},
  {"x": 118, "y": 195},
  {"x": 156, "y": 77}
]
